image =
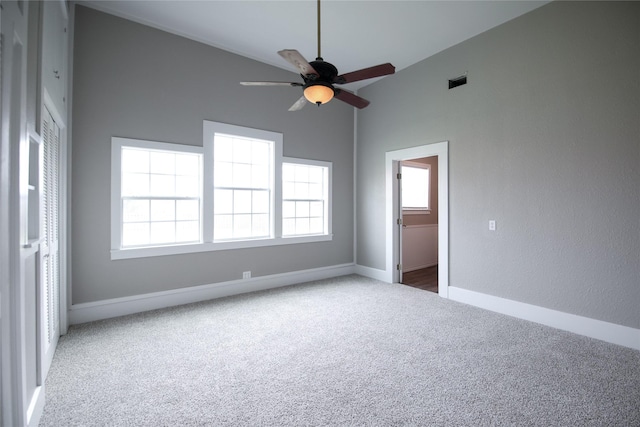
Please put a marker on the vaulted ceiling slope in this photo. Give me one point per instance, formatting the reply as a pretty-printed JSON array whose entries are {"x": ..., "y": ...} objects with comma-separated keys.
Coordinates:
[{"x": 355, "y": 34}]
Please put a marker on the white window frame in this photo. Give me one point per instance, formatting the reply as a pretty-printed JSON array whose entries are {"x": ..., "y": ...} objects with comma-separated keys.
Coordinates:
[
  {"x": 210, "y": 128},
  {"x": 117, "y": 251},
  {"x": 328, "y": 207},
  {"x": 418, "y": 210}
]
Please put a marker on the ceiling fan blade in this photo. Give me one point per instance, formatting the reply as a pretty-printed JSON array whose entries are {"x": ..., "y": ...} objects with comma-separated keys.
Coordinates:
[
  {"x": 351, "y": 98},
  {"x": 365, "y": 73},
  {"x": 299, "y": 104},
  {"x": 297, "y": 60},
  {"x": 270, "y": 84}
]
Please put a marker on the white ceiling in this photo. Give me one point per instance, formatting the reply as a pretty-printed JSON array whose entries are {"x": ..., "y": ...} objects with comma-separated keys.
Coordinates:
[{"x": 355, "y": 34}]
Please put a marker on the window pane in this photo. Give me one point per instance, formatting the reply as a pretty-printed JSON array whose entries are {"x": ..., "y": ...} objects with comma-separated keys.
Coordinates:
[
  {"x": 163, "y": 232},
  {"x": 315, "y": 175},
  {"x": 316, "y": 226},
  {"x": 288, "y": 172},
  {"x": 302, "y": 209},
  {"x": 242, "y": 201},
  {"x": 223, "y": 149},
  {"x": 260, "y": 202},
  {"x": 260, "y": 154},
  {"x": 261, "y": 225},
  {"x": 135, "y": 184},
  {"x": 288, "y": 190},
  {"x": 163, "y": 210},
  {"x": 135, "y": 210},
  {"x": 223, "y": 201},
  {"x": 223, "y": 174},
  {"x": 187, "y": 210},
  {"x": 315, "y": 191},
  {"x": 223, "y": 226},
  {"x": 187, "y": 186},
  {"x": 289, "y": 227},
  {"x": 242, "y": 150},
  {"x": 187, "y": 231},
  {"x": 162, "y": 185},
  {"x": 134, "y": 160},
  {"x": 302, "y": 225},
  {"x": 260, "y": 176},
  {"x": 241, "y": 175},
  {"x": 289, "y": 209},
  {"x": 187, "y": 164},
  {"x": 242, "y": 226},
  {"x": 302, "y": 173},
  {"x": 301, "y": 190},
  {"x": 316, "y": 209},
  {"x": 135, "y": 234},
  {"x": 161, "y": 162}
]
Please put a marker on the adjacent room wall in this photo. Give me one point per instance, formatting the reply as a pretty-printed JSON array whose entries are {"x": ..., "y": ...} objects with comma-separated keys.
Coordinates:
[
  {"x": 134, "y": 81},
  {"x": 544, "y": 139}
]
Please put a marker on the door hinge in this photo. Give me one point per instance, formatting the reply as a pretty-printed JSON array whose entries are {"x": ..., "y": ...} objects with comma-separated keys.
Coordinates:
[
  {"x": 399, "y": 176},
  {"x": 399, "y": 267},
  {"x": 399, "y": 221}
]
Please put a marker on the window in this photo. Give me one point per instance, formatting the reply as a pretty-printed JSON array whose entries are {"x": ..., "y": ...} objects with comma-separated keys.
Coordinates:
[
  {"x": 236, "y": 191},
  {"x": 242, "y": 187},
  {"x": 305, "y": 197},
  {"x": 415, "y": 186},
  {"x": 159, "y": 193}
]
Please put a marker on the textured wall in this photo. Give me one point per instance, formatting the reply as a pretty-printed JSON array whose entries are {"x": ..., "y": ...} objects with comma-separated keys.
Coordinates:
[
  {"x": 545, "y": 139},
  {"x": 137, "y": 82}
]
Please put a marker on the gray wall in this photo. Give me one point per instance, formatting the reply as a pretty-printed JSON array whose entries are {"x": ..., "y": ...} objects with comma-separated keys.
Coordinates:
[
  {"x": 545, "y": 139},
  {"x": 137, "y": 82}
]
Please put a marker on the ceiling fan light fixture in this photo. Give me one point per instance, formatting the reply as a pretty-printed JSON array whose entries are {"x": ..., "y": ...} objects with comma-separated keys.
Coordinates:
[{"x": 319, "y": 93}]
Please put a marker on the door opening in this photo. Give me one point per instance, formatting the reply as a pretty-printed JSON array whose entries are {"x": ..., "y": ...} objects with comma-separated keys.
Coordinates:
[
  {"x": 394, "y": 216},
  {"x": 418, "y": 213}
]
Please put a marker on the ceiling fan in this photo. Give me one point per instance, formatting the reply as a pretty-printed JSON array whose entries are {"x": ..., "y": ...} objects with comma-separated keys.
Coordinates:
[{"x": 319, "y": 78}]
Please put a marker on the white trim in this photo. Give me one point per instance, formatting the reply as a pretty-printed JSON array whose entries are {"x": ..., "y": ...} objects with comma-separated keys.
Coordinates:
[
  {"x": 392, "y": 159},
  {"x": 372, "y": 273},
  {"x": 88, "y": 312},
  {"x": 117, "y": 254},
  {"x": 598, "y": 329},
  {"x": 36, "y": 407}
]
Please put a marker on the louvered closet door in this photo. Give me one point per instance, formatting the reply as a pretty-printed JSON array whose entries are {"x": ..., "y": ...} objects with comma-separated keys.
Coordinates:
[{"x": 50, "y": 259}]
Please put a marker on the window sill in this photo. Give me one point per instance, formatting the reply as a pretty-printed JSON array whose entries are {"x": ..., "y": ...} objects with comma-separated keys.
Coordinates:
[
  {"x": 416, "y": 211},
  {"x": 117, "y": 254}
]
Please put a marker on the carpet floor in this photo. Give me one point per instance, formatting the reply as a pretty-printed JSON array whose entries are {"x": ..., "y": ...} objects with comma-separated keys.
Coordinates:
[{"x": 344, "y": 351}]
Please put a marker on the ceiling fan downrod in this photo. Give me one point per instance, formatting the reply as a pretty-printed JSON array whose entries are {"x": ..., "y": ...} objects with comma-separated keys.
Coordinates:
[{"x": 319, "y": 58}]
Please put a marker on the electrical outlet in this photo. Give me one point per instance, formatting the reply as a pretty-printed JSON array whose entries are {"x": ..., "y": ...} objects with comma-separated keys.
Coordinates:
[
  {"x": 492, "y": 225},
  {"x": 246, "y": 275}
]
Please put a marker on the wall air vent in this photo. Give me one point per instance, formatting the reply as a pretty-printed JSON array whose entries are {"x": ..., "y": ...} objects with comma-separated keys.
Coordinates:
[{"x": 458, "y": 81}]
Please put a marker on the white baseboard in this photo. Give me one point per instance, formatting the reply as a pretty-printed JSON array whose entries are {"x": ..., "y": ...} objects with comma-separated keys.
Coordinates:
[
  {"x": 605, "y": 331},
  {"x": 105, "y": 309},
  {"x": 372, "y": 273}
]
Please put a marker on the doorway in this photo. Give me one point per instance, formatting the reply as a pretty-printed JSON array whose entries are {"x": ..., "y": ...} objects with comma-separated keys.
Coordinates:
[
  {"x": 394, "y": 224},
  {"x": 418, "y": 200}
]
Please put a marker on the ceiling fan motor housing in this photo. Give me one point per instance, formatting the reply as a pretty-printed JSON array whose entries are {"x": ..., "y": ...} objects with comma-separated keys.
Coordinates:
[{"x": 327, "y": 72}]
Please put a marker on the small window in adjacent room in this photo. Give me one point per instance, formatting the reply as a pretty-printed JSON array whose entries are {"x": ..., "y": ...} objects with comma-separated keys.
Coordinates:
[
  {"x": 305, "y": 197},
  {"x": 415, "y": 187},
  {"x": 159, "y": 193}
]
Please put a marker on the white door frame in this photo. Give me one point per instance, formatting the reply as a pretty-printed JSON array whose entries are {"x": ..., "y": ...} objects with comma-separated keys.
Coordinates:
[{"x": 392, "y": 159}]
